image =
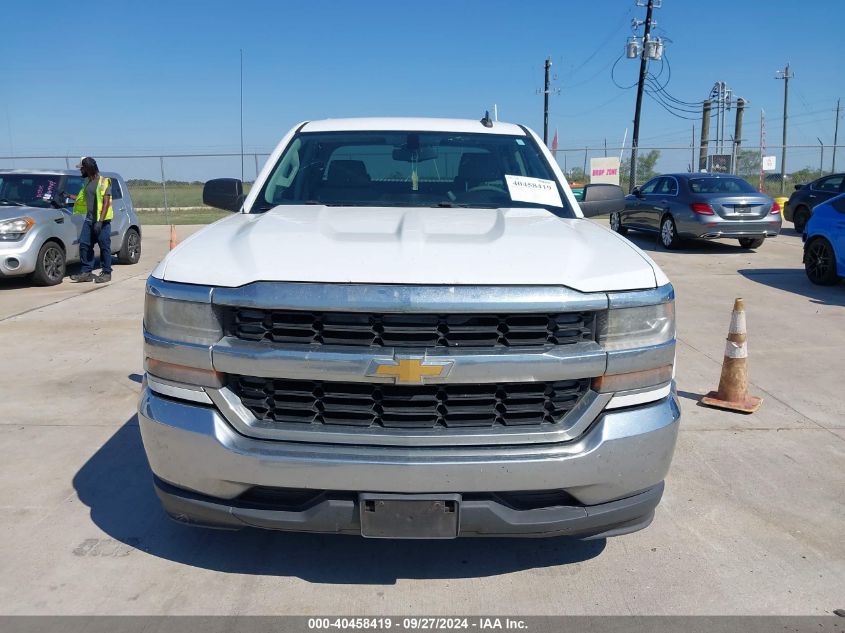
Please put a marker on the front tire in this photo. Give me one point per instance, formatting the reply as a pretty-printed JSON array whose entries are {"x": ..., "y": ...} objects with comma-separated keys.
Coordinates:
[
  {"x": 616, "y": 223},
  {"x": 50, "y": 267},
  {"x": 669, "y": 233},
  {"x": 800, "y": 218},
  {"x": 130, "y": 252},
  {"x": 820, "y": 262},
  {"x": 751, "y": 242}
]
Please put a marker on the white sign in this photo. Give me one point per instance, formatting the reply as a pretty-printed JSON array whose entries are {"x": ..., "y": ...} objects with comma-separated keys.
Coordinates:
[
  {"x": 604, "y": 170},
  {"x": 769, "y": 163},
  {"x": 534, "y": 190}
]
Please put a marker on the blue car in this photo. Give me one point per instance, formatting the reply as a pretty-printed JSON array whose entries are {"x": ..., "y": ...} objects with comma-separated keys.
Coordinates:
[{"x": 824, "y": 242}]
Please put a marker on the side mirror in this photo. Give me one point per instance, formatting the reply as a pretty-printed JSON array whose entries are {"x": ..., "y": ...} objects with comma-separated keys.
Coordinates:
[
  {"x": 601, "y": 199},
  {"x": 799, "y": 187},
  {"x": 636, "y": 192},
  {"x": 223, "y": 193}
]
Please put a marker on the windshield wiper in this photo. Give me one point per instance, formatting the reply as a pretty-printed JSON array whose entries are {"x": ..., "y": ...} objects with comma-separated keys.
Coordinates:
[
  {"x": 7, "y": 202},
  {"x": 467, "y": 205}
]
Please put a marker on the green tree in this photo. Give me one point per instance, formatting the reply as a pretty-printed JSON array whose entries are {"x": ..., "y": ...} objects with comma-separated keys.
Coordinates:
[
  {"x": 645, "y": 168},
  {"x": 748, "y": 163}
]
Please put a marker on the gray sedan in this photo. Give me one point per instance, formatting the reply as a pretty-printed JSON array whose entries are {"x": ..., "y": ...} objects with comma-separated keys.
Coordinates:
[
  {"x": 699, "y": 205},
  {"x": 39, "y": 234}
]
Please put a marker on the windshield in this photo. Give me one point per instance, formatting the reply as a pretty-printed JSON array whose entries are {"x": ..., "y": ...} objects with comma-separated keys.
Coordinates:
[
  {"x": 31, "y": 190},
  {"x": 720, "y": 185},
  {"x": 417, "y": 169}
]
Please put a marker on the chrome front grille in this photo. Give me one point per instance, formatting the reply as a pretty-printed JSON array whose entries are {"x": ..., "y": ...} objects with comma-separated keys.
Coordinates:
[
  {"x": 307, "y": 403},
  {"x": 361, "y": 329}
]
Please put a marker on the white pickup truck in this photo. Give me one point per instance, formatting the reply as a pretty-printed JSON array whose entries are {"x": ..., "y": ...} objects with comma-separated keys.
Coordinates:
[{"x": 408, "y": 329}]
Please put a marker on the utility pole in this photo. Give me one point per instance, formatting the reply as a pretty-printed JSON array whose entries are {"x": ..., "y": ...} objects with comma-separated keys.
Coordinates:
[
  {"x": 835, "y": 138},
  {"x": 546, "y": 104},
  {"x": 644, "y": 57},
  {"x": 762, "y": 145},
  {"x": 705, "y": 136},
  {"x": 740, "y": 111},
  {"x": 786, "y": 76}
]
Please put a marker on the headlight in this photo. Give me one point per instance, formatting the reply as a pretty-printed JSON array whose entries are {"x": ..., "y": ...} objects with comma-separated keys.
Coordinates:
[
  {"x": 11, "y": 230},
  {"x": 182, "y": 321},
  {"x": 627, "y": 328}
]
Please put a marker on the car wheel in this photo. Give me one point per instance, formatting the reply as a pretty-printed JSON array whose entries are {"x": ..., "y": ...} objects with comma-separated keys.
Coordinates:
[
  {"x": 130, "y": 252},
  {"x": 751, "y": 242},
  {"x": 820, "y": 262},
  {"x": 616, "y": 223},
  {"x": 50, "y": 267},
  {"x": 668, "y": 233},
  {"x": 800, "y": 217}
]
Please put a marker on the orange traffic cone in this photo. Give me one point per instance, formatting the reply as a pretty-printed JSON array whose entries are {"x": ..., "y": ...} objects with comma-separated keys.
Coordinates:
[
  {"x": 172, "y": 237},
  {"x": 733, "y": 384}
]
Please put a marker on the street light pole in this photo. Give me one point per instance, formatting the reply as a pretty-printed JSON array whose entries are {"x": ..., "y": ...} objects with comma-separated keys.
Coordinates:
[{"x": 821, "y": 158}]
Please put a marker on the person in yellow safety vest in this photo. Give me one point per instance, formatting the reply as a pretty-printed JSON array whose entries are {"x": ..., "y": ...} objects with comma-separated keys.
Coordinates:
[{"x": 94, "y": 200}]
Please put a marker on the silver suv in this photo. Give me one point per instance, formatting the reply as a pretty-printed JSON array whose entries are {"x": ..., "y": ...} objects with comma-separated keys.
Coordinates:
[{"x": 39, "y": 234}]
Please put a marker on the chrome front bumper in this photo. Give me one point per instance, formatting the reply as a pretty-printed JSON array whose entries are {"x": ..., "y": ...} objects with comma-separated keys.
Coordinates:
[{"x": 205, "y": 465}]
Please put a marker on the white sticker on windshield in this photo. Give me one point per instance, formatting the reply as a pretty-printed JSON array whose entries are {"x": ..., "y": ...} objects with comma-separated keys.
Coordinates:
[{"x": 534, "y": 190}]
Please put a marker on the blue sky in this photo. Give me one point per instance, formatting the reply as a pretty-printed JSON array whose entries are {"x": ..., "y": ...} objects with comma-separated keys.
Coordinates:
[{"x": 162, "y": 77}]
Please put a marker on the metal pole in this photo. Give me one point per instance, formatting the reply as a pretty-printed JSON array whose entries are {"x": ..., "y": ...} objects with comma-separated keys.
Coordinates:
[
  {"x": 546, "y": 104},
  {"x": 692, "y": 149},
  {"x": 635, "y": 139},
  {"x": 585, "y": 163},
  {"x": 821, "y": 158},
  {"x": 605, "y": 148},
  {"x": 164, "y": 188},
  {"x": 67, "y": 161},
  {"x": 835, "y": 138},
  {"x": 734, "y": 148},
  {"x": 705, "y": 136},
  {"x": 255, "y": 156},
  {"x": 786, "y": 77},
  {"x": 242, "y": 115}
]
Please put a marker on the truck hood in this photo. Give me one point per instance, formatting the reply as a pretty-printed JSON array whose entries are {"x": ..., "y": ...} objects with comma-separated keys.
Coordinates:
[{"x": 309, "y": 243}]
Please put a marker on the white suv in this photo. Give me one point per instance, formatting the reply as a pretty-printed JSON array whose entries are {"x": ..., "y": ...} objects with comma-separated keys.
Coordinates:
[{"x": 409, "y": 330}]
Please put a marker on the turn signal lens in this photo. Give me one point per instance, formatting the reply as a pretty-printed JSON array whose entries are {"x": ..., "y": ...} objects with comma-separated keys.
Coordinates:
[
  {"x": 633, "y": 380},
  {"x": 181, "y": 373},
  {"x": 701, "y": 208}
]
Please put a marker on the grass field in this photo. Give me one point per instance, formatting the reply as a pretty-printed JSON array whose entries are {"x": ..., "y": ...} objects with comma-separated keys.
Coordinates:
[{"x": 188, "y": 216}]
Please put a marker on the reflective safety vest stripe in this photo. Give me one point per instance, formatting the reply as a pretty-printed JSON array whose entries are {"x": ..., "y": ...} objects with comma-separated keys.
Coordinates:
[{"x": 81, "y": 206}]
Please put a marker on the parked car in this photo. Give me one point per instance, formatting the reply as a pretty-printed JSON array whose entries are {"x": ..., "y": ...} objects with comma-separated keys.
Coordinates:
[
  {"x": 407, "y": 329},
  {"x": 699, "y": 205},
  {"x": 824, "y": 242},
  {"x": 39, "y": 233},
  {"x": 799, "y": 208}
]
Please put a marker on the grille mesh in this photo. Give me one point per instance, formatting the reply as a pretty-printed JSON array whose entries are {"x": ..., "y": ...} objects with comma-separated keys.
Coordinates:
[
  {"x": 410, "y": 330},
  {"x": 364, "y": 405}
]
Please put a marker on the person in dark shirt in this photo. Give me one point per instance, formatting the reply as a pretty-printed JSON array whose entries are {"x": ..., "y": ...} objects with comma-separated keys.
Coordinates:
[{"x": 96, "y": 194}]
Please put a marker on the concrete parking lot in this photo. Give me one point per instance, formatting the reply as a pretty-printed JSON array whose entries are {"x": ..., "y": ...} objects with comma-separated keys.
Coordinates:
[{"x": 752, "y": 522}]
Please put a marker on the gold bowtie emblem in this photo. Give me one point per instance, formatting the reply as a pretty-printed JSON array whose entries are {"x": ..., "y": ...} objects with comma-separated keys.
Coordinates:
[{"x": 410, "y": 370}]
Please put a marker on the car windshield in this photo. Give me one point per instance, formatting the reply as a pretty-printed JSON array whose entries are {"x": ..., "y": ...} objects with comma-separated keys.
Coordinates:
[
  {"x": 720, "y": 185},
  {"x": 31, "y": 190},
  {"x": 413, "y": 169}
]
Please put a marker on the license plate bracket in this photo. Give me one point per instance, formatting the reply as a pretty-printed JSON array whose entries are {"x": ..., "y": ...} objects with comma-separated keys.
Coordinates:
[{"x": 409, "y": 516}]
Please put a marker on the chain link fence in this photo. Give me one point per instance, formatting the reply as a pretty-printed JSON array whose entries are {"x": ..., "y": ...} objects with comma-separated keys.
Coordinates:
[
  {"x": 159, "y": 183},
  {"x": 804, "y": 162}
]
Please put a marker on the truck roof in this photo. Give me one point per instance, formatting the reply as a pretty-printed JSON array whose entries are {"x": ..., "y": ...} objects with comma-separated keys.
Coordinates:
[{"x": 411, "y": 124}]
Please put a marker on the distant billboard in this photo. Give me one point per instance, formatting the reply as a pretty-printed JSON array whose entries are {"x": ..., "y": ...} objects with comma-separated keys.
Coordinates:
[
  {"x": 604, "y": 170},
  {"x": 770, "y": 163}
]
